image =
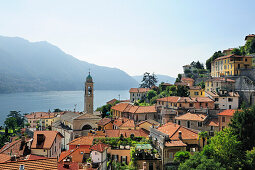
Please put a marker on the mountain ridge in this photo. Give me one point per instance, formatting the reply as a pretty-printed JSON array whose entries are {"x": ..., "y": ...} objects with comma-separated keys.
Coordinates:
[{"x": 41, "y": 66}]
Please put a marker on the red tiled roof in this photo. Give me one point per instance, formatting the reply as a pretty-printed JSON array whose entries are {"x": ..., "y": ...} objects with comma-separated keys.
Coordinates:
[
  {"x": 250, "y": 35},
  {"x": 120, "y": 107},
  {"x": 72, "y": 166},
  {"x": 213, "y": 122},
  {"x": 4, "y": 157},
  {"x": 129, "y": 123},
  {"x": 100, "y": 147},
  {"x": 231, "y": 56},
  {"x": 175, "y": 99},
  {"x": 126, "y": 133},
  {"x": 139, "y": 90},
  {"x": 34, "y": 157},
  {"x": 187, "y": 79},
  {"x": 175, "y": 143},
  {"x": 14, "y": 148},
  {"x": 111, "y": 101},
  {"x": 104, "y": 121},
  {"x": 229, "y": 112},
  {"x": 230, "y": 49},
  {"x": 118, "y": 122},
  {"x": 181, "y": 84},
  {"x": 49, "y": 138},
  {"x": 39, "y": 164},
  {"x": 173, "y": 129},
  {"x": 72, "y": 152},
  {"x": 192, "y": 116},
  {"x": 84, "y": 140}
]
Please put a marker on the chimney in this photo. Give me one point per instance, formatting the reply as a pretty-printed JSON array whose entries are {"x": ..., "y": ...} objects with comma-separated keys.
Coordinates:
[
  {"x": 180, "y": 135},
  {"x": 13, "y": 158},
  {"x": 21, "y": 167}
]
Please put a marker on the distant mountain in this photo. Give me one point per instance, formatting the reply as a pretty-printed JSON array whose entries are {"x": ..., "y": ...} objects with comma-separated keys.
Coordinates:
[
  {"x": 41, "y": 66},
  {"x": 161, "y": 78}
]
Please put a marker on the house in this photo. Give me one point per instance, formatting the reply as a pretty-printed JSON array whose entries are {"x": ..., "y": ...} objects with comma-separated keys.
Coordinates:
[
  {"x": 138, "y": 93},
  {"x": 77, "y": 155},
  {"x": 230, "y": 65},
  {"x": 105, "y": 123},
  {"x": 188, "y": 67},
  {"x": 218, "y": 83},
  {"x": 19, "y": 147},
  {"x": 196, "y": 91},
  {"x": 111, "y": 102},
  {"x": 136, "y": 113},
  {"x": 228, "y": 51},
  {"x": 34, "y": 118},
  {"x": 126, "y": 133},
  {"x": 224, "y": 99},
  {"x": 47, "y": 120},
  {"x": 123, "y": 123},
  {"x": 225, "y": 118},
  {"x": 171, "y": 138},
  {"x": 184, "y": 104},
  {"x": 198, "y": 121},
  {"x": 99, "y": 155},
  {"x": 147, "y": 124},
  {"x": 83, "y": 142},
  {"x": 121, "y": 155},
  {"x": 47, "y": 143},
  {"x": 37, "y": 163},
  {"x": 188, "y": 81}
]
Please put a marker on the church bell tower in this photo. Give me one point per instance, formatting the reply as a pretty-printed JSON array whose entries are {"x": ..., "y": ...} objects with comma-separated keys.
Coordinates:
[{"x": 89, "y": 95}]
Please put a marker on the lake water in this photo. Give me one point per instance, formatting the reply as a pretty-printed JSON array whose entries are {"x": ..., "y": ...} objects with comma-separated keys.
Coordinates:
[{"x": 43, "y": 101}]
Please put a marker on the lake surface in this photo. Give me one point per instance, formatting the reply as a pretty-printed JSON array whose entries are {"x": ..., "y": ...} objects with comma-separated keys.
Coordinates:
[{"x": 43, "y": 101}]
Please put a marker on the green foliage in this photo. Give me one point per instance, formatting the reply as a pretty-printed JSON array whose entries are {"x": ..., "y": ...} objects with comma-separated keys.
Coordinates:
[
  {"x": 202, "y": 84},
  {"x": 214, "y": 56},
  {"x": 178, "y": 79},
  {"x": 58, "y": 110},
  {"x": 197, "y": 65},
  {"x": 11, "y": 123},
  {"x": 149, "y": 80},
  {"x": 250, "y": 159},
  {"x": 236, "y": 51},
  {"x": 250, "y": 47},
  {"x": 182, "y": 91},
  {"x": 187, "y": 71},
  {"x": 151, "y": 94},
  {"x": 181, "y": 156},
  {"x": 243, "y": 126},
  {"x": 203, "y": 136}
]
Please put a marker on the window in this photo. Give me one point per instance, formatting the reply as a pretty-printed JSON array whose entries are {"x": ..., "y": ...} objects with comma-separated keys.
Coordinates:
[
  {"x": 124, "y": 159},
  {"x": 188, "y": 124},
  {"x": 179, "y": 122},
  {"x": 246, "y": 59},
  {"x": 201, "y": 93},
  {"x": 199, "y": 124},
  {"x": 230, "y": 99},
  {"x": 229, "y": 107},
  {"x": 191, "y": 105},
  {"x": 180, "y": 105},
  {"x": 212, "y": 128},
  {"x": 171, "y": 155},
  {"x": 223, "y": 119},
  {"x": 196, "y": 93},
  {"x": 216, "y": 99}
]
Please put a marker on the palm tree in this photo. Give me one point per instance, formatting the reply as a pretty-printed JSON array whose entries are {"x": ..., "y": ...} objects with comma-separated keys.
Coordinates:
[{"x": 203, "y": 136}]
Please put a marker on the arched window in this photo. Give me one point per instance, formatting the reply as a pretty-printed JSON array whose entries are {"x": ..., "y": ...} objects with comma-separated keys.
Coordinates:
[{"x": 86, "y": 127}]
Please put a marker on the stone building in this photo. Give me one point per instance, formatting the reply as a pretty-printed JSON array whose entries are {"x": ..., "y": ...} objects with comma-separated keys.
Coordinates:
[
  {"x": 137, "y": 94},
  {"x": 89, "y": 95},
  {"x": 219, "y": 83}
]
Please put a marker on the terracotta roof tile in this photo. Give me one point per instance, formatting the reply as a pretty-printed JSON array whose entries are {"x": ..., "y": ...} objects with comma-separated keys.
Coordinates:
[
  {"x": 187, "y": 79},
  {"x": 72, "y": 166},
  {"x": 250, "y": 35},
  {"x": 49, "y": 138},
  {"x": 104, "y": 121},
  {"x": 195, "y": 88},
  {"x": 100, "y": 147},
  {"x": 192, "y": 116},
  {"x": 129, "y": 123},
  {"x": 39, "y": 164},
  {"x": 229, "y": 112},
  {"x": 173, "y": 129},
  {"x": 175, "y": 143},
  {"x": 111, "y": 101},
  {"x": 139, "y": 90},
  {"x": 4, "y": 157},
  {"x": 213, "y": 122},
  {"x": 175, "y": 99},
  {"x": 84, "y": 140},
  {"x": 126, "y": 133},
  {"x": 220, "y": 79},
  {"x": 120, "y": 107},
  {"x": 231, "y": 56}
]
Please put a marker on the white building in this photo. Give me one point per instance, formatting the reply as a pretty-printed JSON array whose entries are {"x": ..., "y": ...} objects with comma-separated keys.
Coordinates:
[
  {"x": 99, "y": 155},
  {"x": 224, "y": 99},
  {"x": 138, "y": 93}
]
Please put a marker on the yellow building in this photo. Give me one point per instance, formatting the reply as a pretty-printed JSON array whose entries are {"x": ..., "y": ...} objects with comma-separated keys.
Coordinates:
[
  {"x": 230, "y": 65},
  {"x": 196, "y": 91},
  {"x": 48, "y": 120}
]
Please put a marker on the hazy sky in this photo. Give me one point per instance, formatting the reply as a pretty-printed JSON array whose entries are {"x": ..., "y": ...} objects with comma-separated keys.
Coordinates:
[{"x": 133, "y": 35}]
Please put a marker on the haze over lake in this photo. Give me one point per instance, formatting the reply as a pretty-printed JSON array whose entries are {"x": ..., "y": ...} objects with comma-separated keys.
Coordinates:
[{"x": 43, "y": 101}]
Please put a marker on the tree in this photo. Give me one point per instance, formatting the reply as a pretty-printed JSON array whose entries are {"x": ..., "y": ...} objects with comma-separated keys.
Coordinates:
[
  {"x": 212, "y": 58},
  {"x": 236, "y": 51},
  {"x": 178, "y": 79},
  {"x": 250, "y": 46},
  {"x": 57, "y": 110},
  {"x": 149, "y": 80},
  {"x": 203, "y": 136},
  {"x": 19, "y": 118},
  {"x": 243, "y": 126},
  {"x": 181, "y": 156},
  {"x": 187, "y": 71},
  {"x": 151, "y": 94},
  {"x": 182, "y": 91},
  {"x": 11, "y": 123}
]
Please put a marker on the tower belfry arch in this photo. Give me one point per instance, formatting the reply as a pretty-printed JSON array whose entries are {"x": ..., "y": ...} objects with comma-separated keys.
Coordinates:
[{"x": 89, "y": 95}]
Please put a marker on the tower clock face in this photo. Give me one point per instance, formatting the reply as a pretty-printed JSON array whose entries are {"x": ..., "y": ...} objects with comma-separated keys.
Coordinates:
[{"x": 89, "y": 90}]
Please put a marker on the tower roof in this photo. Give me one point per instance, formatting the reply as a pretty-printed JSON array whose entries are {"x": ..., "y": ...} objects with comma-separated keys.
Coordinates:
[{"x": 89, "y": 78}]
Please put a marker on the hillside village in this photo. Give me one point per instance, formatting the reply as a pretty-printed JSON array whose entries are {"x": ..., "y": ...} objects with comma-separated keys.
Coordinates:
[{"x": 153, "y": 129}]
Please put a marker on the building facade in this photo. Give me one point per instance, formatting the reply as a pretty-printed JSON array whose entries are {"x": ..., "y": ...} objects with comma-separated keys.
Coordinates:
[
  {"x": 137, "y": 94},
  {"x": 219, "y": 83},
  {"x": 89, "y": 95}
]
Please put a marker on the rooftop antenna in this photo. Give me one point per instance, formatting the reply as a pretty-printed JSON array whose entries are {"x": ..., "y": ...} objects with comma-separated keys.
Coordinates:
[
  {"x": 119, "y": 97},
  {"x": 75, "y": 107}
]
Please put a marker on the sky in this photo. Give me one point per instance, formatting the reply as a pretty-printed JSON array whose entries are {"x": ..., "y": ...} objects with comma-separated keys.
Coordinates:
[{"x": 135, "y": 36}]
